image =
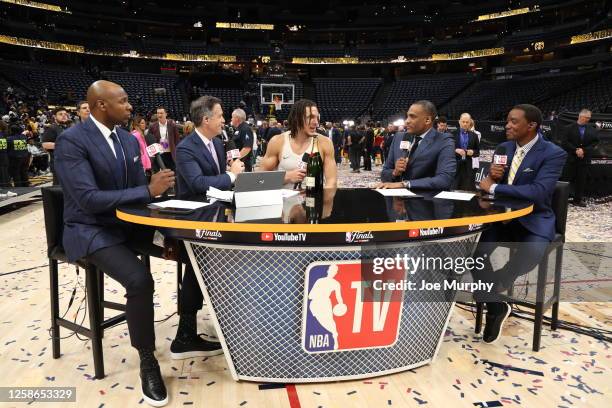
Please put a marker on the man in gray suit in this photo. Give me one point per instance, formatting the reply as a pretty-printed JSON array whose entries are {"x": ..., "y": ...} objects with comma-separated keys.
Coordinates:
[{"x": 422, "y": 157}]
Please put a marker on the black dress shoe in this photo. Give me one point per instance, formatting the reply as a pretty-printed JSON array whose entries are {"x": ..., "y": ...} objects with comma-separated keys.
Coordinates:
[
  {"x": 194, "y": 346},
  {"x": 495, "y": 322},
  {"x": 579, "y": 203},
  {"x": 153, "y": 388}
]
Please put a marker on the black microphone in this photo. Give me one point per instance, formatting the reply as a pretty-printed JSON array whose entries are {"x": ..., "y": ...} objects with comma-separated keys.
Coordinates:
[
  {"x": 155, "y": 150},
  {"x": 500, "y": 157},
  {"x": 304, "y": 161}
]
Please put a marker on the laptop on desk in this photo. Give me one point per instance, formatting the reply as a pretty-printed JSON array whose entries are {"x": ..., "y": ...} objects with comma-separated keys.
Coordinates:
[
  {"x": 260, "y": 181},
  {"x": 259, "y": 189}
]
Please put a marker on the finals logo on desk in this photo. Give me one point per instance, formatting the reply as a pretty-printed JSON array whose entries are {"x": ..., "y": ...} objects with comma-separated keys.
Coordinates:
[{"x": 342, "y": 312}]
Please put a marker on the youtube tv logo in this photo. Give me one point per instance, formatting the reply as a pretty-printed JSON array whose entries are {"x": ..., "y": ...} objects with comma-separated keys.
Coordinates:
[
  {"x": 267, "y": 236},
  {"x": 414, "y": 233}
]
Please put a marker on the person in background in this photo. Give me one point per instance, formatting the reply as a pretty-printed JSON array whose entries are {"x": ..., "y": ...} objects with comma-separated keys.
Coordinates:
[
  {"x": 165, "y": 132},
  {"x": 82, "y": 111},
  {"x": 466, "y": 147},
  {"x": 243, "y": 137},
  {"x": 4, "y": 160},
  {"x": 442, "y": 124},
  {"x": 579, "y": 142},
  {"x": 60, "y": 115},
  {"x": 388, "y": 140},
  {"x": 18, "y": 155},
  {"x": 139, "y": 125},
  {"x": 355, "y": 141},
  {"x": 378, "y": 141},
  {"x": 188, "y": 127}
]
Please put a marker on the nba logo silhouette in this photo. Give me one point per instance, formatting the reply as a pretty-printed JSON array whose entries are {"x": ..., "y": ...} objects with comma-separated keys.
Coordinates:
[{"x": 342, "y": 312}]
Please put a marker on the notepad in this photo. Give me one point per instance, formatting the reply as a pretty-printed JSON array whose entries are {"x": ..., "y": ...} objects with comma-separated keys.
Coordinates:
[
  {"x": 182, "y": 204},
  {"x": 289, "y": 193},
  {"x": 454, "y": 195},
  {"x": 395, "y": 192},
  {"x": 220, "y": 195}
]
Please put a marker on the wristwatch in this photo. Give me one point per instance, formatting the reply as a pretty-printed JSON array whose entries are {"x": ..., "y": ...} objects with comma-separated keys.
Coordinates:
[{"x": 407, "y": 184}]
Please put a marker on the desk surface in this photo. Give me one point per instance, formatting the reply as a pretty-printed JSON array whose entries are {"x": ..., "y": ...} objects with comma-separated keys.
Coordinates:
[{"x": 336, "y": 212}]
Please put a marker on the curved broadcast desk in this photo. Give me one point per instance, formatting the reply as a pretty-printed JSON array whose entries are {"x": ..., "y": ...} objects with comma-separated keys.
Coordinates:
[{"x": 273, "y": 298}]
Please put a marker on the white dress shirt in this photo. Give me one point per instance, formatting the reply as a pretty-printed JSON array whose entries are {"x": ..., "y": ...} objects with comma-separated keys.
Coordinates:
[
  {"x": 106, "y": 132},
  {"x": 208, "y": 142}
]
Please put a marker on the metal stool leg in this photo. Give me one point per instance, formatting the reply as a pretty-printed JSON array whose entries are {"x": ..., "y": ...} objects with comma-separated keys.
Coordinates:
[
  {"x": 554, "y": 322},
  {"x": 54, "y": 291},
  {"x": 95, "y": 320},
  {"x": 539, "y": 307},
  {"x": 479, "y": 310}
]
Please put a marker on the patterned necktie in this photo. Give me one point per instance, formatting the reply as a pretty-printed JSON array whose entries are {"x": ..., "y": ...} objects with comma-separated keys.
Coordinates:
[
  {"x": 120, "y": 168},
  {"x": 214, "y": 155},
  {"x": 516, "y": 162}
]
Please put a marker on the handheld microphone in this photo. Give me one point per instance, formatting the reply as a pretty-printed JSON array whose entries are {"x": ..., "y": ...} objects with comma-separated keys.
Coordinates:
[
  {"x": 155, "y": 150},
  {"x": 232, "y": 155},
  {"x": 406, "y": 145},
  {"x": 500, "y": 157},
  {"x": 302, "y": 166}
]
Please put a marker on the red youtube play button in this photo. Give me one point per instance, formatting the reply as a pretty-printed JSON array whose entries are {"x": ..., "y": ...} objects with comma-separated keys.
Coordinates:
[
  {"x": 413, "y": 233},
  {"x": 267, "y": 236}
]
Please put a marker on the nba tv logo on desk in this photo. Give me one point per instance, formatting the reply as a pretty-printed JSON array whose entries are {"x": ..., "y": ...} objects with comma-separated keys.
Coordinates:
[{"x": 341, "y": 311}]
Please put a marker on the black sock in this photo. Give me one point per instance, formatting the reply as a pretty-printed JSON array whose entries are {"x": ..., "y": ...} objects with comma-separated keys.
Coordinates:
[
  {"x": 147, "y": 358},
  {"x": 188, "y": 326}
]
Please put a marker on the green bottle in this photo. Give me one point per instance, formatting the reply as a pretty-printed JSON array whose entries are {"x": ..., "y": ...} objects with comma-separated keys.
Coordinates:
[{"x": 314, "y": 169}]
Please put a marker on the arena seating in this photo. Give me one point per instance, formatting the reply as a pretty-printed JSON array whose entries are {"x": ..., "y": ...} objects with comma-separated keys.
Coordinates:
[
  {"x": 595, "y": 95},
  {"x": 491, "y": 99},
  {"x": 344, "y": 98},
  {"x": 438, "y": 89},
  {"x": 64, "y": 85},
  {"x": 141, "y": 89}
]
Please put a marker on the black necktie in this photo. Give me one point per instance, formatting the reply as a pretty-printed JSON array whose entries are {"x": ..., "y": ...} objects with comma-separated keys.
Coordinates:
[
  {"x": 415, "y": 144},
  {"x": 120, "y": 168}
]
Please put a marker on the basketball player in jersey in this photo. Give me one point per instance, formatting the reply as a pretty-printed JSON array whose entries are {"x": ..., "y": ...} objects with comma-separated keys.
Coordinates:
[{"x": 285, "y": 151}]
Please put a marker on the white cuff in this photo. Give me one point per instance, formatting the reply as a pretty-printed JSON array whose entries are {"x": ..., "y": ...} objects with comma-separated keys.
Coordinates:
[
  {"x": 232, "y": 176},
  {"x": 492, "y": 189}
]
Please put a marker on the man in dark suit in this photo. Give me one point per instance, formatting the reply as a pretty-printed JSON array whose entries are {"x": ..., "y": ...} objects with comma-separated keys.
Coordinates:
[
  {"x": 332, "y": 132},
  {"x": 431, "y": 164},
  {"x": 579, "y": 142},
  {"x": 165, "y": 132},
  {"x": 200, "y": 164},
  {"x": 466, "y": 147},
  {"x": 99, "y": 169},
  {"x": 534, "y": 168}
]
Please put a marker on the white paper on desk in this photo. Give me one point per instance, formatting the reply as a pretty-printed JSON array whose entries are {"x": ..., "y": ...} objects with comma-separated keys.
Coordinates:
[
  {"x": 220, "y": 195},
  {"x": 289, "y": 193},
  {"x": 454, "y": 195},
  {"x": 188, "y": 205},
  {"x": 263, "y": 212},
  {"x": 258, "y": 198},
  {"x": 395, "y": 192}
]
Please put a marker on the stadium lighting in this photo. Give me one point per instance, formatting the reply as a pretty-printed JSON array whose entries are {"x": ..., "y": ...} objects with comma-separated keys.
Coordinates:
[{"x": 398, "y": 122}]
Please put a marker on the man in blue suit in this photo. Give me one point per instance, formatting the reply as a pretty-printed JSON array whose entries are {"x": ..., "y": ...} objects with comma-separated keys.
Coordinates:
[
  {"x": 201, "y": 154},
  {"x": 534, "y": 167},
  {"x": 200, "y": 164},
  {"x": 431, "y": 162},
  {"x": 99, "y": 169}
]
